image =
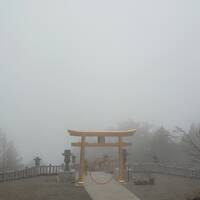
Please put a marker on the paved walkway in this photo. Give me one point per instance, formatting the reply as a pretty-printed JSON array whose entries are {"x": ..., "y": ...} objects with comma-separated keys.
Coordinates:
[{"x": 109, "y": 191}]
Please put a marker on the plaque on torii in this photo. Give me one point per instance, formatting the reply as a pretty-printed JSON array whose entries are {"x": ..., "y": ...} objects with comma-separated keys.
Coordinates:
[{"x": 101, "y": 143}]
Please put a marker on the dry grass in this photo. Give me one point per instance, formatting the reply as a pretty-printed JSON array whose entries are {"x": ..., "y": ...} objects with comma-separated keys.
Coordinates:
[{"x": 41, "y": 188}]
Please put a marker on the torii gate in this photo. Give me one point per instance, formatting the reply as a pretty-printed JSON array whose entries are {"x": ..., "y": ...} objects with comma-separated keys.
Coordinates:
[{"x": 101, "y": 143}]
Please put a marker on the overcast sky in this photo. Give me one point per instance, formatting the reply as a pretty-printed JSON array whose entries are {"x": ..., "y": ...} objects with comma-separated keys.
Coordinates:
[{"x": 91, "y": 64}]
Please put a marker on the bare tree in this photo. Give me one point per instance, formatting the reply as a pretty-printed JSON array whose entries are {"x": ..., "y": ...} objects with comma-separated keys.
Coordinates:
[
  {"x": 191, "y": 140},
  {"x": 9, "y": 158}
]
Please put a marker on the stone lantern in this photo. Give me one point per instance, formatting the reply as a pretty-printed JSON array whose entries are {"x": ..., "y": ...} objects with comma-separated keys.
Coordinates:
[
  {"x": 73, "y": 159},
  {"x": 67, "y": 156},
  {"x": 37, "y": 161}
]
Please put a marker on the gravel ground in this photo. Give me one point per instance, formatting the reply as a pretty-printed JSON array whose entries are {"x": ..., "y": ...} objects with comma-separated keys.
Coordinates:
[
  {"x": 41, "y": 188},
  {"x": 167, "y": 188},
  {"x": 47, "y": 188}
]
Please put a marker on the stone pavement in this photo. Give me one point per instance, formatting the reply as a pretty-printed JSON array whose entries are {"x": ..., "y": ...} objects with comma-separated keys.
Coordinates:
[{"x": 109, "y": 191}]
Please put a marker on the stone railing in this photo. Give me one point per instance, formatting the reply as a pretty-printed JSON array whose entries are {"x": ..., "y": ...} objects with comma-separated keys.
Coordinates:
[
  {"x": 162, "y": 169},
  {"x": 29, "y": 172}
]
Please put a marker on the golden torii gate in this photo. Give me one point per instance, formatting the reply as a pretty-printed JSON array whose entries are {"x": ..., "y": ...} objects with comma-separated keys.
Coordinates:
[{"x": 101, "y": 143}]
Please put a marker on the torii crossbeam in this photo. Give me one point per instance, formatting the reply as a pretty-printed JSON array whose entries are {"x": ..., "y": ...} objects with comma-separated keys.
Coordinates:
[{"x": 101, "y": 143}]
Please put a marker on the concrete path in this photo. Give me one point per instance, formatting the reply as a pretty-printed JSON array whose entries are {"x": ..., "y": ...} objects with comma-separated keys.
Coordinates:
[{"x": 109, "y": 191}]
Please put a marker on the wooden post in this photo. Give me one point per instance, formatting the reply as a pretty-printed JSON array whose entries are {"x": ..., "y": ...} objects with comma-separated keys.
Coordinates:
[
  {"x": 121, "y": 163},
  {"x": 82, "y": 160},
  {"x": 49, "y": 169}
]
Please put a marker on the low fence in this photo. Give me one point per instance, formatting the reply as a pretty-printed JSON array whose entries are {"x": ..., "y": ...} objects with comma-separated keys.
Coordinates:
[
  {"x": 150, "y": 168},
  {"x": 29, "y": 172},
  {"x": 162, "y": 169}
]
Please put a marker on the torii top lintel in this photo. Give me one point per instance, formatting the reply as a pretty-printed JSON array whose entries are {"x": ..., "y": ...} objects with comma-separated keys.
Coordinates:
[{"x": 102, "y": 133}]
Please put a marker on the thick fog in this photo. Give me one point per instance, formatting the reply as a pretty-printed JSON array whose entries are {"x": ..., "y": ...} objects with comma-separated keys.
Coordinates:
[{"x": 92, "y": 64}]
